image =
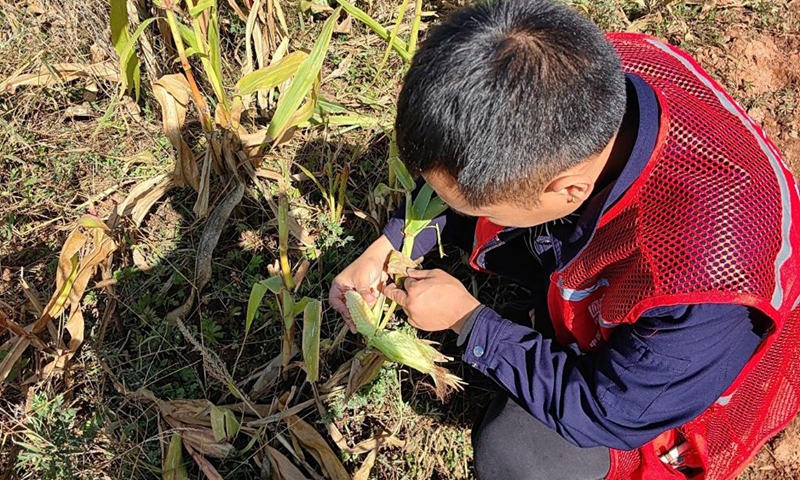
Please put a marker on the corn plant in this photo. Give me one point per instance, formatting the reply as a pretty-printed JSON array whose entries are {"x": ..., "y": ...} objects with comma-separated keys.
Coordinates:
[
  {"x": 396, "y": 345},
  {"x": 229, "y": 145},
  {"x": 290, "y": 309}
]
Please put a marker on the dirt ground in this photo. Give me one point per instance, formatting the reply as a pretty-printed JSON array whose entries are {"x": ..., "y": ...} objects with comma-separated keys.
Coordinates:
[
  {"x": 765, "y": 73},
  {"x": 64, "y": 151}
]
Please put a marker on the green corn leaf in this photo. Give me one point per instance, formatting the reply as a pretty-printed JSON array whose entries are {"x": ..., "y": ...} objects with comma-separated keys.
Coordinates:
[
  {"x": 327, "y": 107},
  {"x": 119, "y": 24},
  {"x": 312, "y": 316},
  {"x": 393, "y": 153},
  {"x": 288, "y": 311},
  {"x": 187, "y": 35},
  {"x": 129, "y": 62},
  {"x": 173, "y": 467},
  {"x": 435, "y": 208},
  {"x": 393, "y": 36},
  {"x": 191, "y": 51},
  {"x": 313, "y": 178},
  {"x": 66, "y": 288},
  {"x": 130, "y": 72},
  {"x": 300, "y": 306},
  {"x": 412, "y": 40},
  {"x": 270, "y": 77},
  {"x": 214, "y": 47},
  {"x": 412, "y": 228},
  {"x": 223, "y": 423},
  {"x": 401, "y": 172},
  {"x": 303, "y": 81},
  {"x": 363, "y": 121},
  {"x": 381, "y": 191},
  {"x": 231, "y": 423},
  {"x": 399, "y": 45},
  {"x": 201, "y": 6},
  {"x": 218, "y": 423},
  {"x": 256, "y": 296},
  {"x": 421, "y": 203},
  {"x": 253, "y": 440},
  {"x": 274, "y": 284}
]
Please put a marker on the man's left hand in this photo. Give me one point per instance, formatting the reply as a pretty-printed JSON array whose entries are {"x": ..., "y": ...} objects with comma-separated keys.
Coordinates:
[{"x": 434, "y": 300}]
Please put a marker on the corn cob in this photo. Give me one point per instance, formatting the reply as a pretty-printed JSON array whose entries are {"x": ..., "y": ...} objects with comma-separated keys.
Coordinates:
[{"x": 401, "y": 347}]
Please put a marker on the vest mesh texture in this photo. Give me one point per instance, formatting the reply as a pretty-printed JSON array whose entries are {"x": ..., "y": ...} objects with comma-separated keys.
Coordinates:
[{"x": 703, "y": 225}]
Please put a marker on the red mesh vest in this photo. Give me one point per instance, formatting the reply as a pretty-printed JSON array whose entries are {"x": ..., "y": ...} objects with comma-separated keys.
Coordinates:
[{"x": 708, "y": 221}]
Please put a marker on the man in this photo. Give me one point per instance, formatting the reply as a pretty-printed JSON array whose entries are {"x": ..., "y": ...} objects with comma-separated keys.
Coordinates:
[{"x": 649, "y": 215}]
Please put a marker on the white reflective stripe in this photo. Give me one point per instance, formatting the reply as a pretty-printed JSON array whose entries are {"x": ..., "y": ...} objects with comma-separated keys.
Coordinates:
[
  {"x": 724, "y": 400},
  {"x": 777, "y": 165},
  {"x": 605, "y": 324},
  {"x": 578, "y": 295}
]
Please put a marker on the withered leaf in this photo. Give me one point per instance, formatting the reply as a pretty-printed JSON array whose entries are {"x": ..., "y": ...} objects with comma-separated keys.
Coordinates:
[
  {"x": 282, "y": 467},
  {"x": 173, "y": 93},
  {"x": 313, "y": 442}
]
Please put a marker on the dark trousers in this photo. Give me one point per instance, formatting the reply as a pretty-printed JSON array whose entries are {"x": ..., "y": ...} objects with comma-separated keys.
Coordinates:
[{"x": 509, "y": 444}]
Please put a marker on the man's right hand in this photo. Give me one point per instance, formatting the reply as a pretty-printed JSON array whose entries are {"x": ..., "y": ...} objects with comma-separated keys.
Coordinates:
[{"x": 365, "y": 275}]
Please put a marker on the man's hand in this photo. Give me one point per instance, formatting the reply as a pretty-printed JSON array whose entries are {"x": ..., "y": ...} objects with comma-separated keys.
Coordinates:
[
  {"x": 365, "y": 275},
  {"x": 434, "y": 300}
]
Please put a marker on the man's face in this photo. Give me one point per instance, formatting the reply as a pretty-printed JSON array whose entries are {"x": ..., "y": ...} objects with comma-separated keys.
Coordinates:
[{"x": 551, "y": 205}]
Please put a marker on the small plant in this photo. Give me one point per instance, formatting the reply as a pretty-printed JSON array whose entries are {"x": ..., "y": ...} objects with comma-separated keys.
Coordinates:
[
  {"x": 53, "y": 439},
  {"x": 212, "y": 331}
]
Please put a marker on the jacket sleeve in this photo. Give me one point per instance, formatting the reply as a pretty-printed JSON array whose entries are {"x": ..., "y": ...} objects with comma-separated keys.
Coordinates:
[{"x": 651, "y": 376}]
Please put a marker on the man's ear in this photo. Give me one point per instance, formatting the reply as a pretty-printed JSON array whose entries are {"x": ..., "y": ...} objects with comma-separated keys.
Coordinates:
[{"x": 574, "y": 187}]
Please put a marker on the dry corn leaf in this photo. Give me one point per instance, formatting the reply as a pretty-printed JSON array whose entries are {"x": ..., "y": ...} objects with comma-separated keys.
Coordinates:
[
  {"x": 49, "y": 75},
  {"x": 399, "y": 264},
  {"x": 140, "y": 260},
  {"x": 66, "y": 273},
  {"x": 345, "y": 26},
  {"x": 190, "y": 412},
  {"x": 200, "y": 207},
  {"x": 172, "y": 467},
  {"x": 72, "y": 275},
  {"x": 205, "y": 466},
  {"x": 77, "y": 112},
  {"x": 202, "y": 440},
  {"x": 17, "y": 349},
  {"x": 75, "y": 327},
  {"x": 173, "y": 93},
  {"x": 248, "y": 39},
  {"x": 103, "y": 247},
  {"x": 363, "y": 471},
  {"x": 211, "y": 234},
  {"x": 142, "y": 197},
  {"x": 313, "y": 442},
  {"x": 282, "y": 467},
  {"x": 378, "y": 441},
  {"x": 262, "y": 47},
  {"x": 17, "y": 330},
  {"x": 364, "y": 369},
  {"x": 72, "y": 278}
]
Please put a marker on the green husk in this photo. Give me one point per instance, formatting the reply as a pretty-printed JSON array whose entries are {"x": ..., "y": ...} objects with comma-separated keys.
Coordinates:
[{"x": 402, "y": 347}]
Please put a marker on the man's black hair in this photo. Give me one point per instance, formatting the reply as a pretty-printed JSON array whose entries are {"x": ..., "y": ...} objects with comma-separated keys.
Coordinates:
[{"x": 503, "y": 95}]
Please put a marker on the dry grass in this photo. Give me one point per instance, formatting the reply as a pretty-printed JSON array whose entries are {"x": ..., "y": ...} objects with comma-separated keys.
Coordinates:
[{"x": 75, "y": 148}]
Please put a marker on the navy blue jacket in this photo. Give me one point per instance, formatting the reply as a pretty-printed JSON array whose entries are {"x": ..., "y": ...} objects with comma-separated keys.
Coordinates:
[{"x": 656, "y": 374}]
